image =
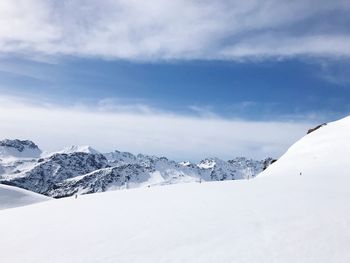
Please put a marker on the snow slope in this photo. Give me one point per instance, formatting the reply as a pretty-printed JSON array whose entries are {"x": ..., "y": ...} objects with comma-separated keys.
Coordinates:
[
  {"x": 280, "y": 216},
  {"x": 14, "y": 197}
]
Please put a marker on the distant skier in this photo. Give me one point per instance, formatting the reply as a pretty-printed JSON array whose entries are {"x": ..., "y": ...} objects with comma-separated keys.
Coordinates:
[
  {"x": 76, "y": 196},
  {"x": 301, "y": 173}
]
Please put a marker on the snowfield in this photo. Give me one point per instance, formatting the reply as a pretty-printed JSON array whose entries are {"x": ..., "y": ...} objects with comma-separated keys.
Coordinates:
[{"x": 298, "y": 210}]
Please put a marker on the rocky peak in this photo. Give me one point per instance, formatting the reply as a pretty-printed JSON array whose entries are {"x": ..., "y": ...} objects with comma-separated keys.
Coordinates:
[
  {"x": 118, "y": 158},
  {"x": 208, "y": 163}
]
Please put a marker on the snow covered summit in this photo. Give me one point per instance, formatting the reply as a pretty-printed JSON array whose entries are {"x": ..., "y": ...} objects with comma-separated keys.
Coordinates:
[
  {"x": 78, "y": 148},
  {"x": 19, "y": 149}
]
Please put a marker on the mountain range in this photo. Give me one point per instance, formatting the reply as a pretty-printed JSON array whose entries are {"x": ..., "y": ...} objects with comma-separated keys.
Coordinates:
[{"x": 83, "y": 170}]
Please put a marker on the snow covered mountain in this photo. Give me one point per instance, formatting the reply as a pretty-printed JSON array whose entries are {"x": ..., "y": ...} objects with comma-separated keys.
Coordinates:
[
  {"x": 47, "y": 172},
  {"x": 17, "y": 155},
  {"x": 103, "y": 180},
  {"x": 18, "y": 149},
  {"x": 82, "y": 170},
  {"x": 296, "y": 211}
]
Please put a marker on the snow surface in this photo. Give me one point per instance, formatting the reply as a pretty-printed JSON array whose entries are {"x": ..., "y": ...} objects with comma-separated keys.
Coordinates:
[
  {"x": 295, "y": 211},
  {"x": 14, "y": 197}
]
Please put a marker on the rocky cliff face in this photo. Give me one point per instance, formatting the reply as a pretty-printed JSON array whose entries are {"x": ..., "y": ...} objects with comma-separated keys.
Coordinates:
[
  {"x": 55, "y": 169},
  {"x": 124, "y": 176}
]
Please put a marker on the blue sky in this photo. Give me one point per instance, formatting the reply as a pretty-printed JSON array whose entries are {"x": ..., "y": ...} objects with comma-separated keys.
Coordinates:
[
  {"x": 268, "y": 90},
  {"x": 270, "y": 64}
]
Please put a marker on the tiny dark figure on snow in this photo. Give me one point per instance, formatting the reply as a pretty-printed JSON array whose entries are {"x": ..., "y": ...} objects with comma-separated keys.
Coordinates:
[
  {"x": 76, "y": 196},
  {"x": 300, "y": 173}
]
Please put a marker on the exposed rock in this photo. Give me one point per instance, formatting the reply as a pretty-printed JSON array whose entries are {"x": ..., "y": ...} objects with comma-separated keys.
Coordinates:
[
  {"x": 101, "y": 180},
  {"x": 267, "y": 162},
  {"x": 316, "y": 128}
]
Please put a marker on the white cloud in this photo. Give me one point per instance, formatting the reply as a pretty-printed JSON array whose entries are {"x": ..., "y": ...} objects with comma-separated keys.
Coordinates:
[
  {"x": 162, "y": 29},
  {"x": 285, "y": 46},
  {"x": 172, "y": 135}
]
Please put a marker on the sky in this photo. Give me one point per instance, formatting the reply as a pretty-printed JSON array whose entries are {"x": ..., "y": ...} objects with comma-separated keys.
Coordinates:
[{"x": 184, "y": 79}]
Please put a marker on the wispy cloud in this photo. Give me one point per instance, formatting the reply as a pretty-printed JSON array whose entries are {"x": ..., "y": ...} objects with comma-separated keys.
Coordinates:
[
  {"x": 336, "y": 73},
  {"x": 179, "y": 29},
  {"x": 203, "y": 111},
  {"x": 173, "y": 135}
]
